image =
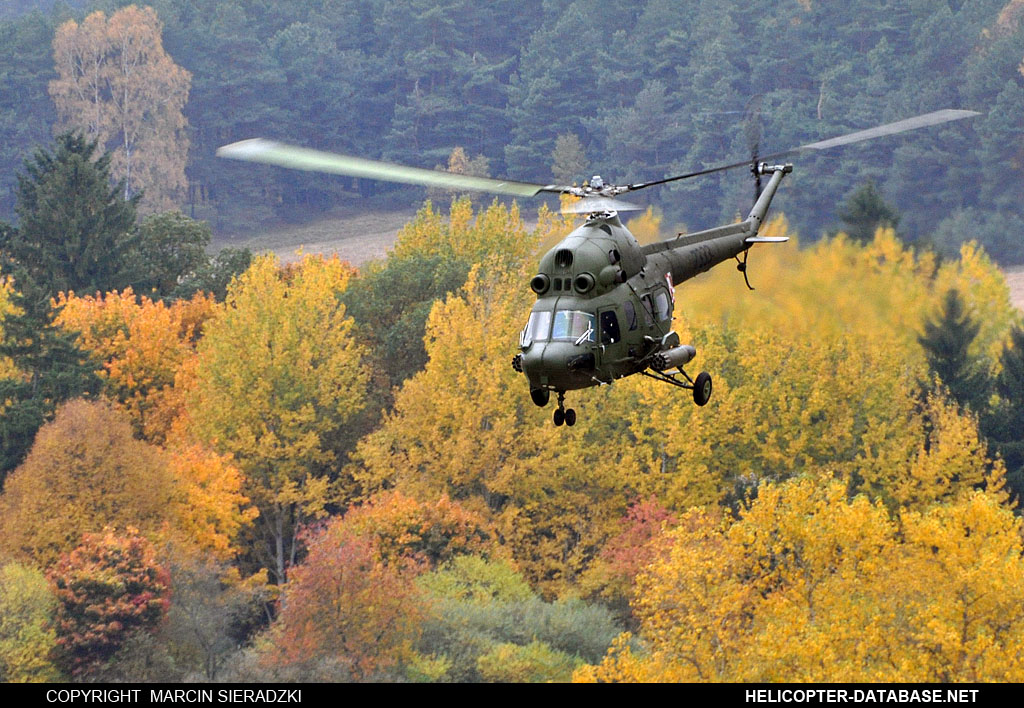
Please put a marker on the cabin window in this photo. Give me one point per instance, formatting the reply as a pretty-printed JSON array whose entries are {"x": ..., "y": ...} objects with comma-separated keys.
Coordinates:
[
  {"x": 573, "y": 324},
  {"x": 609, "y": 327},
  {"x": 661, "y": 306},
  {"x": 630, "y": 314}
]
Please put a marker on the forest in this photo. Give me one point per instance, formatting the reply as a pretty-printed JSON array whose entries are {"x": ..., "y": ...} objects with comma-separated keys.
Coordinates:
[
  {"x": 218, "y": 467},
  {"x": 637, "y": 91}
]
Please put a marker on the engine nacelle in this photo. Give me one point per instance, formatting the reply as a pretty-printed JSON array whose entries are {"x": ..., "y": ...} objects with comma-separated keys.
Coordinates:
[{"x": 674, "y": 358}]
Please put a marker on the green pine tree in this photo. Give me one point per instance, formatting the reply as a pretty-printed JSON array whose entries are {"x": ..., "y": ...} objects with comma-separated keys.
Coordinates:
[
  {"x": 75, "y": 233},
  {"x": 866, "y": 210},
  {"x": 946, "y": 343},
  {"x": 75, "y": 230},
  {"x": 1005, "y": 425}
]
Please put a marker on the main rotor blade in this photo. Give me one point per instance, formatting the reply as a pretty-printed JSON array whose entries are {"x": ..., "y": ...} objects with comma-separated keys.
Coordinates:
[
  {"x": 900, "y": 126},
  {"x": 275, "y": 153}
]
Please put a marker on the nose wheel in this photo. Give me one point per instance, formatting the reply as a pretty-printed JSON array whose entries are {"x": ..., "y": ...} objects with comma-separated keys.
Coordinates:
[{"x": 563, "y": 414}]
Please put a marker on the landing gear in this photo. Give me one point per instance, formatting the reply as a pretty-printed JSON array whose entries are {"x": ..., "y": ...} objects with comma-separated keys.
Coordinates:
[
  {"x": 701, "y": 387},
  {"x": 563, "y": 415}
]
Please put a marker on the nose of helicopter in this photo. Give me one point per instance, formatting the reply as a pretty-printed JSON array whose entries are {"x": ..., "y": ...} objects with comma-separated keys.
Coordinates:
[{"x": 559, "y": 365}]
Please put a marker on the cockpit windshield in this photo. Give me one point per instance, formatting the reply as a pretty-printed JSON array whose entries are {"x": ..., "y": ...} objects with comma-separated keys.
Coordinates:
[
  {"x": 574, "y": 325},
  {"x": 568, "y": 324},
  {"x": 537, "y": 328}
]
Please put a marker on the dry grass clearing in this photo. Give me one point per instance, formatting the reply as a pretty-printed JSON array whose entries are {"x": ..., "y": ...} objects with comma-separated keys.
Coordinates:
[
  {"x": 1015, "y": 279},
  {"x": 357, "y": 237}
]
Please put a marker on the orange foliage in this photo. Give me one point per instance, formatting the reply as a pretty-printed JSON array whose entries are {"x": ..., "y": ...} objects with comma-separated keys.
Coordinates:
[
  {"x": 346, "y": 606},
  {"x": 212, "y": 509},
  {"x": 430, "y": 532},
  {"x": 85, "y": 471},
  {"x": 143, "y": 346}
]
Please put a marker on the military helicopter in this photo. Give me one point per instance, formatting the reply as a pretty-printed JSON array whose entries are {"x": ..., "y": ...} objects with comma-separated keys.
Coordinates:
[{"x": 604, "y": 302}]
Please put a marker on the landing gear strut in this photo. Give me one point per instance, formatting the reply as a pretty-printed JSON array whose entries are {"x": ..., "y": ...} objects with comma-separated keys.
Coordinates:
[
  {"x": 701, "y": 387},
  {"x": 563, "y": 415}
]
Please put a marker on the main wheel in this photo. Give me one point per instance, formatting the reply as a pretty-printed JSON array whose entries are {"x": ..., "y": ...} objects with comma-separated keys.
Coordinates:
[
  {"x": 559, "y": 416},
  {"x": 570, "y": 417},
  {"x": 702, "y": 388}
]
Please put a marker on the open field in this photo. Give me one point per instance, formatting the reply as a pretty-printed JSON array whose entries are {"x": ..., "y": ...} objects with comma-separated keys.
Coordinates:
[
  {"x": 356, "y": 237},
  {"x": 1015, "y": 279}
]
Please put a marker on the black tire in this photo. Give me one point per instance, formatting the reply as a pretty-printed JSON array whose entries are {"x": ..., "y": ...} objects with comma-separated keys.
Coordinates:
[
  {"x": 570, "y": 417},
  {"x": 540, "y": 396},
  {"x": 702, "y": 388},
  {"x": 559, "y": 417}
]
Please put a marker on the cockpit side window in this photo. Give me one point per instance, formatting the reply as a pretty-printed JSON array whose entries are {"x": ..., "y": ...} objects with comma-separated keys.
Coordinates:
[
  {"x": 661, "y": 306},
  {"x": 609, "y": 327},
  {"x": 630, "y": 314},
  {"x": 573, "y": 324},
  {"x": 648, "y": 310}
]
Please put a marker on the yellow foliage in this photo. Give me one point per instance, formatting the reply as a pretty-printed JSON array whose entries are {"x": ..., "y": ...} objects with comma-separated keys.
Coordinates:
[
  {"x": 212, "y": 509},
  {"x": 116, "y": 82},
  {"x": 818, "y": 372},
  {"x": 496, "y": 236},
  {"x": 27, "y": 636},
  {"x": 7, "y": 368},
  {"x": 839, "y": 288},
  {"x": 535, "y": 662},
  {"x": 646, "y": 227},
  {"x": 85, "y": 471},
  {"x": 464, "y": 427},
  {"x": 279, "y": 375},
  {"x": 811, "y": 586}
]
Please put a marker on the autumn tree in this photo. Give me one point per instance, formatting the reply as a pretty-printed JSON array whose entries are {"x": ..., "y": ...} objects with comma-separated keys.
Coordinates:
[
  {"x": 108, "y": 588},
  {"x": 85, "y": 471},
  {"x": 27, "y": 637},
  {"x": 279, "y": 379},
  {"x": 143, "y": 349},
  {"x": 116, "y": 82},
  {"x": 640, "y": 541},
  {"x": 390, "y": 300},
  {"x": 431, "y": 533},
  {"x": 346, "y": 606},
  {"x": 811, "y": 585},
  {"x": 551, "y": 497},
  {"x": 792, "y": 391},
  {"x": 459, "y": 163}
]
